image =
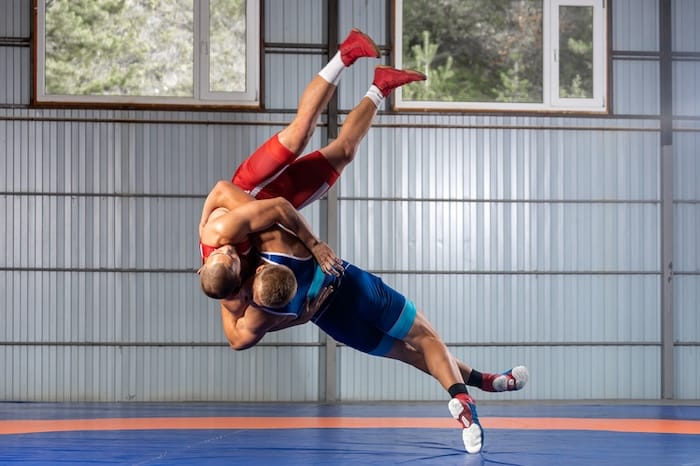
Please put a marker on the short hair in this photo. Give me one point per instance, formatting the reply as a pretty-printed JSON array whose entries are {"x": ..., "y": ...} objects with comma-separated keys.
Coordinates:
[
  {"x": 276, "y": 285},
  {"x": 219, "y": 281}
]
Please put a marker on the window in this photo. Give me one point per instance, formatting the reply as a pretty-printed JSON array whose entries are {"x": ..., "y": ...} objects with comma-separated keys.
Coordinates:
[
  {"x": 527, "y": 55},
  {"x": 170, "y": 52}
]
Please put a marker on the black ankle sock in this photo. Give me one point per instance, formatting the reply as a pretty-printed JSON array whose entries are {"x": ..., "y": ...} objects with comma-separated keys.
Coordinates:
[
  {"x": 456, "y": 389},
  {"x": 476, "y": 378}
]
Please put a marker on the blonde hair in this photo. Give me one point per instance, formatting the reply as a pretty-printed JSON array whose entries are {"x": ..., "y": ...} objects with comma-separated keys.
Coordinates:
[
  {"x": 275, "y": 285},
  {"x": 218, "y": 281}
]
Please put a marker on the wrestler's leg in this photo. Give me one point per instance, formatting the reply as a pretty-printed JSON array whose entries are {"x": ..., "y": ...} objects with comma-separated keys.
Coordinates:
[
  {"x": 437, "y": 358},
  {"x": 443, "y": 366},
  {"x": 317, "y": 94},
  {"x": 341, "y": 151},
  {"x": 314, "y": 100},
  {"x": 308, "y": 178},
  {"x": 512, "y": 379},
  {"x": 289, "y": 143}
]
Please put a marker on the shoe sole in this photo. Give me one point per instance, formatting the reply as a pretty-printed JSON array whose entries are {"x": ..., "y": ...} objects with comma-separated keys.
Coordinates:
[
  {"x": 377, "y": 52},
  {"x": 410, "y": 72},
  {"x": 521, "y": 376}
]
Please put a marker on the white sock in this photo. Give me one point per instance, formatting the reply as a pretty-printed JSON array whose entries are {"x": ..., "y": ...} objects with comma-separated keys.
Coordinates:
[
  {"x": 375, "y": 95},
  {"x": 333, "y": 69}
]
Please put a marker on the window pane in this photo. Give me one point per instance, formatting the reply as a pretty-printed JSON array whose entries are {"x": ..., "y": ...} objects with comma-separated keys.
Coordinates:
[
  {"x": 120, "y": 47},
  {"x": 227, "y": 56},
  {"x": 576, "y": 52},
  {"x": 474, "y": 50}
]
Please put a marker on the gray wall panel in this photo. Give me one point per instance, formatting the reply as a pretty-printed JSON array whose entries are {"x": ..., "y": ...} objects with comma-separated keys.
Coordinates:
[
  {"x": 99, "y": 232},
  {"x": 504, "y": 164},
  {"x": 78, "y": 373},
  {"x": 477, "y": 236},
  {"x": 686, "y": 298},
  {"x": 291, "y": 74},
  {"x": 116, "y": 307},
  {"x": 686, "y": 96},
  {"x": 363, "y": 378},
  {"x": 369, "y": 16},
  {"x": 687, "y": 225},
  {"x": 636, "y": 87},
  {"x": 635, "y": 25},
  {"x": 300, "y": 21},
  {"x": 528, "y": 239},
  {"x": 510, "y": 309},
  {"x": 686, "y": 166},
  {"x": 83, "y": 156},
  {"x": 15, "y": 20},
  {"x": 15, "y": 81},
  {"x": 686, "y": 17},
  {"x": 687, "y": 376},
  {"x": 686, "y": 210},
  {"x": 606, "y": 373}
]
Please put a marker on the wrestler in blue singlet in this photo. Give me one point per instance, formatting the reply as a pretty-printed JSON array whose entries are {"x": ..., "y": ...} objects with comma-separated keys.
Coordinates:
[{"x": 363, "y": 312}]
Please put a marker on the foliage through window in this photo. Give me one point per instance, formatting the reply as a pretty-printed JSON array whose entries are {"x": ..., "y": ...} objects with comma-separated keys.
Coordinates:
[
  {"x": 541, "y": 55},
  {"x": 173, "y": 52}
]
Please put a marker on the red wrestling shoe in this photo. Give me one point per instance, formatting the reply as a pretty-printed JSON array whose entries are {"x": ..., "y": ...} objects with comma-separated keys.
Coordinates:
[
  {"x": 463, "y": 409},
  {"x": 356, "y": 45},
  {"x": 388, "y": 78}
]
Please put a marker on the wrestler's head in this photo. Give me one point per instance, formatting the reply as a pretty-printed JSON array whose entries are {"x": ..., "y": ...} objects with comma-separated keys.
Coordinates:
[
  {"x": 220, "y": 276},
  {"x": 274, "y": 286}
]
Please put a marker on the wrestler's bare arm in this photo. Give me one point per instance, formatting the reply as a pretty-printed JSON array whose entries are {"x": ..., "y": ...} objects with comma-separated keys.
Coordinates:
[
  {"x": 247, "y": 215},
  {"x": 224, "y": 195},
  {"x": 255, "y": 216},
  {"x": 310, "y": 310},
  {"x": 244, "y": 326}
]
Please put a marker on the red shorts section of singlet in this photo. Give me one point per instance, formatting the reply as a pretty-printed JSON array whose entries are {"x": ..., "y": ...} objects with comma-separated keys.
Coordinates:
[
  {"x": 205, "y": 250},
  {"x": 274, "y": 171}
]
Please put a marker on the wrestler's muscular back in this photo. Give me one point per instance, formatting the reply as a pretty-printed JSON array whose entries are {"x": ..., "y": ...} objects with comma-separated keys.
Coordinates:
[
  {"x": 213, "y": 206},
  {"x": 278, "y": 240},
  {"x": 274, "y": 239}
]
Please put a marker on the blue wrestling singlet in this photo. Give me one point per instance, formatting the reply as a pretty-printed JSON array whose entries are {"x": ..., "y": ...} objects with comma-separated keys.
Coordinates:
[
  {"x": 363, "y": 312},
  {"x": 310, "y": 280}
]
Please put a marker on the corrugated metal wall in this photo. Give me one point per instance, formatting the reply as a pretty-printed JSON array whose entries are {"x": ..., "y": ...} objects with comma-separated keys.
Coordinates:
[
  {"x": 686, "y": 193},
  {"x": 100, "y": 250},
  {"x": 532, "y": 240},
  {"x": 542, "y": 245}
]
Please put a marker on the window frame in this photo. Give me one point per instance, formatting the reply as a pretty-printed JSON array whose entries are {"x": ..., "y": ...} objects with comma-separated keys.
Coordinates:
[
  {"x": 202, "y": 97},
  {"x": 551, "y": 102}
]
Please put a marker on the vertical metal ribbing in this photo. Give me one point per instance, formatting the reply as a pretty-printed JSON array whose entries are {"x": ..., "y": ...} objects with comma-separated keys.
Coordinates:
[
  {"x": 329, "y": 210},
  {"x": 666, "y": 183}
]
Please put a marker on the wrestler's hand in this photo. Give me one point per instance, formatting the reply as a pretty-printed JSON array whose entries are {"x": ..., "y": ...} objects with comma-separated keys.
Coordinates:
[
  {"x": 312, "y": 306},
  {"x": 326, "y": 258}
]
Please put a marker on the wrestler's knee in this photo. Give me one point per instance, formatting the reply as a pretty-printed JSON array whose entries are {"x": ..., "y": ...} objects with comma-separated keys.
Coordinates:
[
  {"x": 422, "y": 334},
  {"x": 296, "y": 136},
  {"x": 339, "y": 154}
]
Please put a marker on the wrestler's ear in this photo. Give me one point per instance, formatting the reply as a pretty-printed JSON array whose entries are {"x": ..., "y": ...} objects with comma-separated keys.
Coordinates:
[{"x": 199, "y": 270}]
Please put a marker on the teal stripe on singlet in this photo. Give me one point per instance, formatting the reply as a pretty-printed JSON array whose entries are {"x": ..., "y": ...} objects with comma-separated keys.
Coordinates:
[
  {"x": 316, "y": 283},
  {"x": 405, "y": 321}
]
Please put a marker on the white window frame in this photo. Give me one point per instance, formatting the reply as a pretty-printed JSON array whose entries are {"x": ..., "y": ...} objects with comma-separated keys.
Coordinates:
[
  {"x": 550, "y": 79},
  {"x": 250, "y": 98}
]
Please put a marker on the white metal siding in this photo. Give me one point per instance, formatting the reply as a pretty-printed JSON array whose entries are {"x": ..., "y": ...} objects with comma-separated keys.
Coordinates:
[
  {"x": 525, "y": 239},
  {"x": 686, "y": 17},
  {"x": 635, "y": 25}
]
